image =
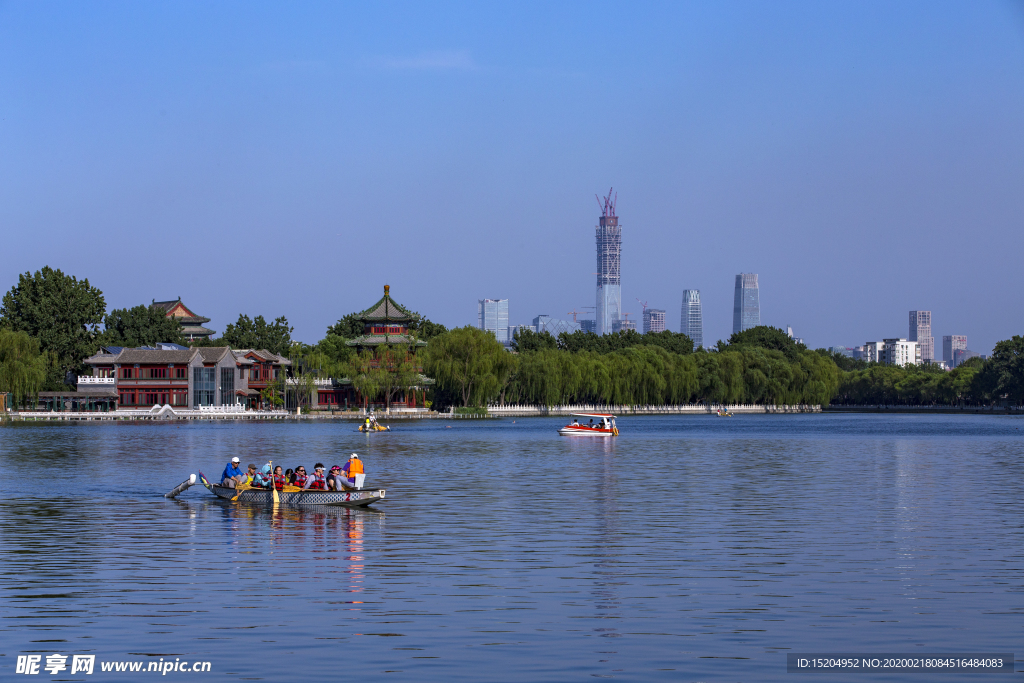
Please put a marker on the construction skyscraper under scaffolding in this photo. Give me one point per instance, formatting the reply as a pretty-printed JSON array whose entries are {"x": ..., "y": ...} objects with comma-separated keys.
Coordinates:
[{"x": 609, "y": 251}]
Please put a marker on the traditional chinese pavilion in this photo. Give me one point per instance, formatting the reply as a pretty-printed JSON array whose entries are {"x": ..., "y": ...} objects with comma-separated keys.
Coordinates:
[
  {"x": 386, "y": 322},
  {"x": 191, "y": 324}
]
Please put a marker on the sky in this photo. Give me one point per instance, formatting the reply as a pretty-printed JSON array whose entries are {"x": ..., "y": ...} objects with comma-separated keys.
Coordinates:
[{"x": 865, "y": 159}]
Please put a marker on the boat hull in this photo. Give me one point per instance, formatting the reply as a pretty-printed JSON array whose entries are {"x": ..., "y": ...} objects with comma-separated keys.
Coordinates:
[
  {"x": 302, "y": 498},
  {"x": 586, "y": 431}
]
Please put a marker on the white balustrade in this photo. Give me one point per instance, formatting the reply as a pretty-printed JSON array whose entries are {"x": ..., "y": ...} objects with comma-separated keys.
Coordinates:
[{"x": 85, "y": 379}]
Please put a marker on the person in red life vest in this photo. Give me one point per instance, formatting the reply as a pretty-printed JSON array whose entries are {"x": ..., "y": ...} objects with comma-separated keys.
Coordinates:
[
  {"x": 353, "y": 473},
  {"x": 317, "y": 481},
  {"x": 279, "y": 479},
  {"x": 300, "y": 477}
]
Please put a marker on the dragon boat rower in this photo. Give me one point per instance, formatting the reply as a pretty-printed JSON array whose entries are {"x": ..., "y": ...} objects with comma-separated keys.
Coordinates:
[
  {"x": 233, "y": 474},
  {"x": 353, "y": 474},
  {"x": 263, "y": 479}
]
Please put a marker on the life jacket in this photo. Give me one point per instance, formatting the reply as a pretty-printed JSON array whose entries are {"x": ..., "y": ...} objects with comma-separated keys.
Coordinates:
[
  {"x": 319, "y": 482},
  {"x": 300, "y": 480},
  {"x": 353, "y": 467},
  {"x": 279, "y": 481}
]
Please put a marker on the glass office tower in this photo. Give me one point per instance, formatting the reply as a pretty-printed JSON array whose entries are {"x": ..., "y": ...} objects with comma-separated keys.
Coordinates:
[
  {"x": 746, "y": 309},
  {"x": 691, "y": 318},
  {"x": 492, "y": 315}
]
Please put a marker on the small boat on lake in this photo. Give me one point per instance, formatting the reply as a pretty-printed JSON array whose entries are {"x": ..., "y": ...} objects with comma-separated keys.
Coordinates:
[{"x": 605, "y": 425}]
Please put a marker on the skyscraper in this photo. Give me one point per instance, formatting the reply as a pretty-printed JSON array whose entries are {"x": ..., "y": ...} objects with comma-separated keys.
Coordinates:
[
  {"x": 609, "y": 252},
  {"x": 654, "y": 320},
  {"x": 921, "y": 332},
  {"x": 492, "y": 315},
  {"x": 746, "y": 308},
  {"x": 951, "y": 343},
  {"x": 691, "y": 320}
]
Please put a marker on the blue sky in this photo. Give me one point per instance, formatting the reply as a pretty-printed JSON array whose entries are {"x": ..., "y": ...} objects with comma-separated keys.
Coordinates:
[{"x": 865, "y": 159}]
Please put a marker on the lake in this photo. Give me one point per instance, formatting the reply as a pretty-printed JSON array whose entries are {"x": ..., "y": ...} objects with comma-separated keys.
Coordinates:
[{"x": 690, "y": 548}]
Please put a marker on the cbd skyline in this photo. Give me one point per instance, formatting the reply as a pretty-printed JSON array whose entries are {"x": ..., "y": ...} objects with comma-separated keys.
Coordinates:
[{"x": 463, "y": 144}]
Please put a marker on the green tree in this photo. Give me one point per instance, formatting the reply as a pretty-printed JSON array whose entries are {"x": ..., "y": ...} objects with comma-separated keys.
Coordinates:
[
  {"x": 526, "y": 341},
  {"x": 766, "y": 337},
  {"x": 60, "y": 311},
  {"x": 469, "y": 363},
  {"x": 22, "y": 365},
  {"x": 425, "y": 330},
  {"x": 139, "y": 326},
  {"x": 348, "y": 327},
  {"x": 1002, "y": 375},
  {"x": 257, "y": 333}
]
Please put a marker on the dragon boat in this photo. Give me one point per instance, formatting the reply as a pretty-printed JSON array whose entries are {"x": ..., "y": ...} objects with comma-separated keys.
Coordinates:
[
  {"x": 300, "y": 498},
  {"x": 291, "y": 495}
]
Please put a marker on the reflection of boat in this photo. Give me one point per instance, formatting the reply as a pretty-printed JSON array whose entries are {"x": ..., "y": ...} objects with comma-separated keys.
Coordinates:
[
  {"x": 605, "y": 426},
  {"x": 301, "y": 498}
]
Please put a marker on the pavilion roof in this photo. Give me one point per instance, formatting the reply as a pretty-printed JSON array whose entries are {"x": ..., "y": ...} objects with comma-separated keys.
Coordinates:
[
  {"x": 387, "y": 310},
  {"x": 181, "y": 312}
]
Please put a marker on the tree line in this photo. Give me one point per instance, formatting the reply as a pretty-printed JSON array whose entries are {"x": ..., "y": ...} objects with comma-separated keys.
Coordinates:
[{"x": 50, "y": 322}]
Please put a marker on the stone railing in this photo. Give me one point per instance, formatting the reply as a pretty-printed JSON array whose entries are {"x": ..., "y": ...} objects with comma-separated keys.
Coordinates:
[
  {"x": 689, "y": 409},
  {"x": 101, "y": 381},
  {"x": 233, "y": 408}
]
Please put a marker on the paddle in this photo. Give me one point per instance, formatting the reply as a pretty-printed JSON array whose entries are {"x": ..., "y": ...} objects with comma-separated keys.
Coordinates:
[{"x": 273, "y": 484}]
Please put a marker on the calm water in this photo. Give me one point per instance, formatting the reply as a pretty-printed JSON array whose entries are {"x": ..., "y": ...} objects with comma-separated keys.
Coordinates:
[{"x": 688, "y": 549}]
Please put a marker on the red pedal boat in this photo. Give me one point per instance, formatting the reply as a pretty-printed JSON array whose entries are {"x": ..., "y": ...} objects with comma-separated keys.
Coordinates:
[{"x": 601, "y": 424}]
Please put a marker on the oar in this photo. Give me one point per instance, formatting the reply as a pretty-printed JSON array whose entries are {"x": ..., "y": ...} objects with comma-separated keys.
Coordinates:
[{"x": 273, "y": 484}]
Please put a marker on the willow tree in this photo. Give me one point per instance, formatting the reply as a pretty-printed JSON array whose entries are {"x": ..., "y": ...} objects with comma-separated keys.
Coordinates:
[
  {"x": 470, "y": 363},
  {"x": 22, "y": 366},
  {"x": 384, "y": 371}
]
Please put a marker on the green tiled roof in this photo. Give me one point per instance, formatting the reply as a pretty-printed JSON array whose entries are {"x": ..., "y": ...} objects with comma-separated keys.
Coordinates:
[{"x": 387, "y": 310}]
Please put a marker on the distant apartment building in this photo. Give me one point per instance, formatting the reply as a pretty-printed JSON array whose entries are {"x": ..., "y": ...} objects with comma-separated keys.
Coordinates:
[
  {"x": 492, "y": 316},
  {"x": 622, "y": 325},
  {"x": 654, "y": 320},
  {"x": 921, "y": 332},
  {"x": 899, "y": 352},
  {"x": 872, "y": 351},
  {"x": 842, "y": 351},
  {"x": 746, "y": 309},
  {"x": 691, "y": 319},
  {"x": 952, "y": 343},
  {"x": 588, "y": 325}
]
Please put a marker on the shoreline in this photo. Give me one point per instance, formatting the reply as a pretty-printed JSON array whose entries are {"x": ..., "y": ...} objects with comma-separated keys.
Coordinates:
[{"x": 497, "y": 412}]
